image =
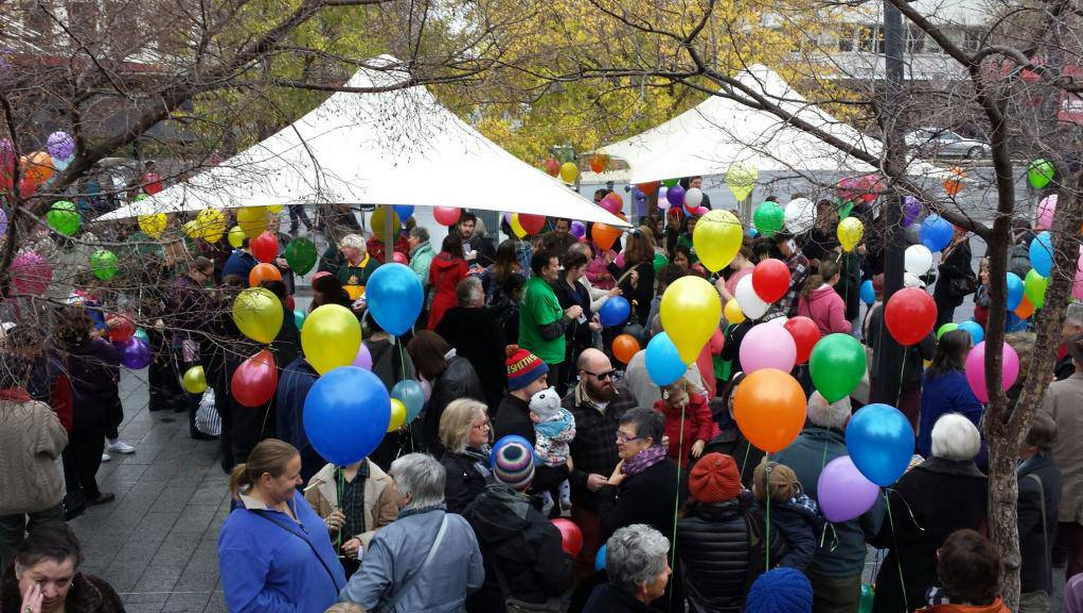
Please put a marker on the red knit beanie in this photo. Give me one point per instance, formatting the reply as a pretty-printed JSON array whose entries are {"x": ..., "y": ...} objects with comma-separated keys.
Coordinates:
[{"x": 715, "y": 479}]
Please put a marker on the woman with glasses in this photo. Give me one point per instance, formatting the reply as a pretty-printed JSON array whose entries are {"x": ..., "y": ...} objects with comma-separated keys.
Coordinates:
[
  {"x": 643, "y": 487},
  {"x": 464, "y": 434}
]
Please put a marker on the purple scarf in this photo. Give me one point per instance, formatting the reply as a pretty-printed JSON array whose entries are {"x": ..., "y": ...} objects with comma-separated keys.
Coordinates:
[{"x": 643, "y": 460}]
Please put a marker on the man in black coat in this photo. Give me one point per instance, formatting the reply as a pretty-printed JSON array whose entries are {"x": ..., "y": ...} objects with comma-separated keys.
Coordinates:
[
  {"x": 476, "y": 335},
  {"x": 1039, "y": 499}
]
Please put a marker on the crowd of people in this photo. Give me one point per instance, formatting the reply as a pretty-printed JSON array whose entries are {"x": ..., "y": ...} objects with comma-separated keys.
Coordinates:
[{"x": 547, "y": 471}]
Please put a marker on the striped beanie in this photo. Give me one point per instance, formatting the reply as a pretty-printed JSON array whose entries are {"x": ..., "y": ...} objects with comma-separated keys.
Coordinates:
[
  {"x": 512, "y": 462},
  {"x": 523, "y": 367}
]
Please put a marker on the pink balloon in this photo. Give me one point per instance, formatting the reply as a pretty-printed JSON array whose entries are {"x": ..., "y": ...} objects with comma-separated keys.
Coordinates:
[
  {"x": 426, "y": 389},
  {"x": 701, "y": 211},
  {"x": 31, "y": 273},
  {"x": 1077, "y": 287},
  {"x": 975, "y": 369},
  {"x": 364, "y": 358},
  {"x": 619, "y": 260},
  {"x": 768, "y": 345},
  {"x": 399, "y": 257},
  {"x": 1046, "y": 208},
  {"x": 612, "y": 203}
]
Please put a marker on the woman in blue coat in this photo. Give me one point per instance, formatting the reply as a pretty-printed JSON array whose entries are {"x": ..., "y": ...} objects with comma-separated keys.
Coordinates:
[{"x": 946, "y": 390}]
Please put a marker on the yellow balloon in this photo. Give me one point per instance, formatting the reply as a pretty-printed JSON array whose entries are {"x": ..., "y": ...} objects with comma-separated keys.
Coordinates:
[
  {"x": 691, "y": 311},
  {"x": 398, "y": 415},
  {"x": 733, "y": 312},
  {"x": 236, "y": 237},
  {"x": 850, "y": 232},
  {"x": 258, "y": 314},
  {"x": 211, "y": 225},
  {"x": 378, "y": 220},
  {"x": 153, "y": 225},
  {"x": 568, "y": 172},
  {"x": 741, "y": 180},
  {"x": 330, "y": 337},
  {"x": 517, "y": 227},
  {"x": 274, "y": 209},
  {"x": 253, "y": 220},
  {"x": 195, "y": 380},
  {"x": 717, "y": 238}
]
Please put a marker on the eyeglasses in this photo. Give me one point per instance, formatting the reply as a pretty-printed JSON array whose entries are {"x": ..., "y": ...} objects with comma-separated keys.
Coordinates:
[
  {"x": 601, "y": 376},
  {"x": 482, "y": 426},
  {"x": 625, "y": 438}
]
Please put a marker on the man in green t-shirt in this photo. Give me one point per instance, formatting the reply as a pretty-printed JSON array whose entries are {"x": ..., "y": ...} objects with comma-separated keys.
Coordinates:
[{"x": 541, "y": 320}]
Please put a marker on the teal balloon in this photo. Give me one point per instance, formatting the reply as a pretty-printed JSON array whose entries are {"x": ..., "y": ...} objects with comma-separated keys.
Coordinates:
[
  {"x": 141, "y": 334},
  {"x": 664, "y": 365},
  {"x": 837, "y": 364},
  {"x": 868, "y": 293},
  {"x": 301, "y": 255},
  {"x": 1041, "y": 254},
  {"x": 769, "y": 218},
  {"x": 299, "y": 318},
  {"x": 599, "y": 560},
  {"x": 880, "y": 440},
  {"x": 394, "y": 297},
  {"x": 410, "y": 394},
  {"x": 64, "y": 218},
  {"x": 974, "y": 329},
  {"x": 1015, "y": 291},
  {"x": 867, "y": 598}
]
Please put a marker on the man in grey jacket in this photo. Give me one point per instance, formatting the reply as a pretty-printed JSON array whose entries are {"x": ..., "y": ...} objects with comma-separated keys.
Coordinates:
[{"x": 427, "y": 559}]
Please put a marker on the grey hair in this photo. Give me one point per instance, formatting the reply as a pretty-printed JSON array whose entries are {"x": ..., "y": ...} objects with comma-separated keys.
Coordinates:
[
  {"x": 648, "y": 422},
  {"x": 1074, "y": 313},
  {"x": 419, "y": 233},
  {"x": 954, "y": 437},
  {"x": 421, "y": 477},
  {"x": 833, "y": 415},
  {"x": 635, "y": 555},
  {"x": 355, "y": 241},
  {"x": 468, "y": 291},
  {"x": 583, "y": 248}
]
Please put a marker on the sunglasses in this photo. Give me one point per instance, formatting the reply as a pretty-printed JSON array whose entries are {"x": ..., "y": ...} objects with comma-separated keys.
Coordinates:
[{"x": 601, "y": 376}]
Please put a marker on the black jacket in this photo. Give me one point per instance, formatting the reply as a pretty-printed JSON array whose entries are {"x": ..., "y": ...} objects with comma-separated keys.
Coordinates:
[
  {"x": 928, "y": 503},
  {"x": 1037, "y": 535},
  {"x": 955, "y": 266},
  {"x": 606, "y": 599},
  {"x": 458, "y": 381},
  {"x": 721, "y": 552},
  {"x": 516, "y": 539},
  {"x": 465, "y": 479},
  {"x": 513, "y": 417},
  {"x": 800, "y": 528},
  {"x": 594, "y": 448},
  {"x": 94, "y": 369},
  {"x": 476, "y": 335},
  {"x": 647, "y": 498},
  {"x": 578, "y": 333}
]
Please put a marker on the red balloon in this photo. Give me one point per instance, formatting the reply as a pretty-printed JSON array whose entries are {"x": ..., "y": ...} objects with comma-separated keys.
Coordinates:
[
  {"x": 805, "y": 335},
  {"x": 446, "y": 215},
  {"x": 531, "y": 223},
  {"x": 264, "y": 247},
  {"x": 121, "y": 328},
  {"x": 570, "y": 534},
  {"x": 910, "y": 315},
  {"x": 289, "y": 302},
  {"x": 552, "y": 167},
  {"x": 399, "y": 257},
  {"x": 255, "y": 380},
  {"x": 771, "y": 279},
  {"x": 649, "y": 188}
]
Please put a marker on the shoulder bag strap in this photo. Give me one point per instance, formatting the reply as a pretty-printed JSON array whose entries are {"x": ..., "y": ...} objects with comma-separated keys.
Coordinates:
[
  {"x": 330, "y": 574},
  {"x": 1041, "y": 498},
  {"x": 406, "y": 585}
]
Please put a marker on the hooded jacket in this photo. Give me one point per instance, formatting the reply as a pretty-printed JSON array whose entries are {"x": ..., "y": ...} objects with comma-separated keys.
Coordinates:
[
  {"x": 457, "y": 381},
  {"x": 825, "y": 306},
  {"x": 516, "y": 539},
  {"x": 420, "y": 261},
  {"x": 94, "y": 369},
  {"x": 445, "y": 272},
  {"x": 698, "y": 426}
]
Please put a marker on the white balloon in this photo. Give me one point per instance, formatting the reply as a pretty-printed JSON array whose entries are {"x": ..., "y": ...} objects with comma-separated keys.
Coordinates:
[
  {"x": 693, "y": 198},
  {"x": 800, "y": 215},
  {"x": 663, "y": 202},
  {"x": 917, "y": 259},
  {"x": 751, "y": 304},
  {"x": 912, "y": 280}
]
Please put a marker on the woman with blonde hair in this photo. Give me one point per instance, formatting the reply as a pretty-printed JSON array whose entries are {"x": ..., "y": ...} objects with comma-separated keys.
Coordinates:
[
  {"x": 464, "y": 434},
  {"x": 274, "y": 552}
]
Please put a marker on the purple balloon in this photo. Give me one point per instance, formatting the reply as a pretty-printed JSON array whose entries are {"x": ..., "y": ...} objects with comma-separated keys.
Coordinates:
[
  {"x": 578, "y": 229},
  {"x": 135, "y": 354},
  {"x": 675, "y": 195},
  {"x": 3, "y": 222},
  {"x": 843, "y": 492},
  {"x": 364, "y": 358},
  {"x": 911, "y": 210},
  {"x": 60, "y": 145}
]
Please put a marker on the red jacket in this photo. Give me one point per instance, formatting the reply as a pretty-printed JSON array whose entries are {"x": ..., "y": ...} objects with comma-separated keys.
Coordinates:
[
  {"x": 445, "y": 272},
  {"x": 698, "y": 426}
]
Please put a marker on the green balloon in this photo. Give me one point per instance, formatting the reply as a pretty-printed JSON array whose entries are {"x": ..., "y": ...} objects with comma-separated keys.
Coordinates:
[
  {"x": 670, "y": 182},
  {"x": 837, "y": 365},
  {"x": 64, "y": 218},
  {"x": 944, "y": 329},
  {"x": 660, "y": 261},
  {"x": 1040, "y": 172},
  {"x": 141, "y": 334},
  {"x": 301, "y": 255},
  {"x": 1034, "y": 287},
  {"x": 867, "y": 597},
  {"x": 104, "y": 264},
  {"x": 845, "y": 209},
  {"x": 299, "y": 318},
  {"x": 769, "y": 218}
]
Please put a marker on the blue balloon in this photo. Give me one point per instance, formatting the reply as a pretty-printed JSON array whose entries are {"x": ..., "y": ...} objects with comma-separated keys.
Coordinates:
[
  {"x": 411, "y": 395},
  {"x": 599, "y": 560},
  {"x": 881, "y": 442},
  {"x": 752, "y": 232},
  {"x": 936, "y": 232},
  {"x": 347, "y": 412},
  {"x": 664, "y": 363},
  {"x": 868, "y": 294},
  {"x": 394, "y": 297},
  {"x": 1015, "y": 291},
  {"x": 615, "y": 311},
  {"x": 1014, "y": 323},
  {"x": 1041, "y": 254},
  {"x": 404, "y": 211},
  {"x": 977, "y": 334}
]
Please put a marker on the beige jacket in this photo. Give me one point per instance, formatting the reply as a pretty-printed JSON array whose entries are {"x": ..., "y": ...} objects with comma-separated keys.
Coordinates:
[
  {"x": 31, "y": 439},
  {"x": 1064, "y": 402},
  {"x": 380, "y": 507}
]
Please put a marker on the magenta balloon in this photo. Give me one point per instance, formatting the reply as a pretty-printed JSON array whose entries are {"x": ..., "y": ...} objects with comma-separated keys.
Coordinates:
[
  {"x": 768, "y": 345},
  {"x": 619, "y": 260},
  {"x": 364, "y": 358},
  {"x": 843, "y": 492},
  {"x": 975, "y": 370},
  {"x": 31, "y": 273},
  {"x": 578, "y": 229}
]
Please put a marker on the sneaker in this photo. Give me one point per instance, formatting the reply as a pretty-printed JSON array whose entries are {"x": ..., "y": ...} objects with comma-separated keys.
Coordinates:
[
  {"x": 120, "y": 446},
  {"x": 106, "y": 457}
]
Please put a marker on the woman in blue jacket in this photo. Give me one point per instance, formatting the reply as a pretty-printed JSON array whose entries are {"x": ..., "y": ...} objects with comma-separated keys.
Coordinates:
[
  {"x": 274, "y": 552},
  {"x": 946, "y": 390}
]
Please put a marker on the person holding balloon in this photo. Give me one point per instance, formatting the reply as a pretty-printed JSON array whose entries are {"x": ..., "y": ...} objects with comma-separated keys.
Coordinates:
[
  {"x": 798, "y": 265},
  {"x": 821, "y": 303},
  {"x": 294, "y": 383},
  {"x": 451, "y": 376},
  {"x": 914, "y": 356},
  {"x": 955, "y": 277},
  {"x": 240, "y": 262},
  {"x": 636, "y": 277},
  {"x": 473, "y": 236},
  {"x": 688, "y": 421}
]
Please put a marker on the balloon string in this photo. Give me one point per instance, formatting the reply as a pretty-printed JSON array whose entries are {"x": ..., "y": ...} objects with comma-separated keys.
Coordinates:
[
  {"x": 767, "y": 498},
  {"x": 898, "y": 558},
  {"x": 748, "y": 449},
  {"x": 341, "y": 493},
  {"x": 677, "y": 500}
]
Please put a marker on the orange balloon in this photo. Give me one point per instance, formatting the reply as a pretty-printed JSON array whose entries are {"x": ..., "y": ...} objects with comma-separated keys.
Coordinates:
[
  {"x": 624, "y": 347},
  {"x": 1025, "y": 309},
  {"x": 769, "y": 407},
  {"x": 598, "y": 163},
  {"x": 604, "y": 235},
  {"x": 263, "y": 272}
]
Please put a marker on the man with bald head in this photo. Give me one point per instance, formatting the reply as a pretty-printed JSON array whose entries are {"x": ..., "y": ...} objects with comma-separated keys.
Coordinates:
[{"x": 597, "y": 403}]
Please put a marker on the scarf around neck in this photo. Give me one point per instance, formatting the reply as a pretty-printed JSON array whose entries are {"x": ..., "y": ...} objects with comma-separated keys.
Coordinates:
[{"x": 644, "y": 460}]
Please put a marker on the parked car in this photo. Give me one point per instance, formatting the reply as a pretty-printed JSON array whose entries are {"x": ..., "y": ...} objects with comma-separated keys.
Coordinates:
[{"x": 945, "y": 143}]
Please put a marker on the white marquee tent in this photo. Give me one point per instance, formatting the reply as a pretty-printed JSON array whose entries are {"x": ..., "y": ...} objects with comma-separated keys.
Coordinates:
[{"x": 399, "y": 147}]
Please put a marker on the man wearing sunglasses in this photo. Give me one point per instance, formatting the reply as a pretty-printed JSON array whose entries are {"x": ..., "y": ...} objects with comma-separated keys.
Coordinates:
[{"x": 597, "y": 403}]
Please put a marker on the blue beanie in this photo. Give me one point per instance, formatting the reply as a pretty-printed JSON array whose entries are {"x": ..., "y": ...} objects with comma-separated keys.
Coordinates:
[{"x": 782, "y": 590}]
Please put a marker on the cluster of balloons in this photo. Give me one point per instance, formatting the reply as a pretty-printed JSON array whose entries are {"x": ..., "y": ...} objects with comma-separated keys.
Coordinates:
[{"x": 34, "y": 169}]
